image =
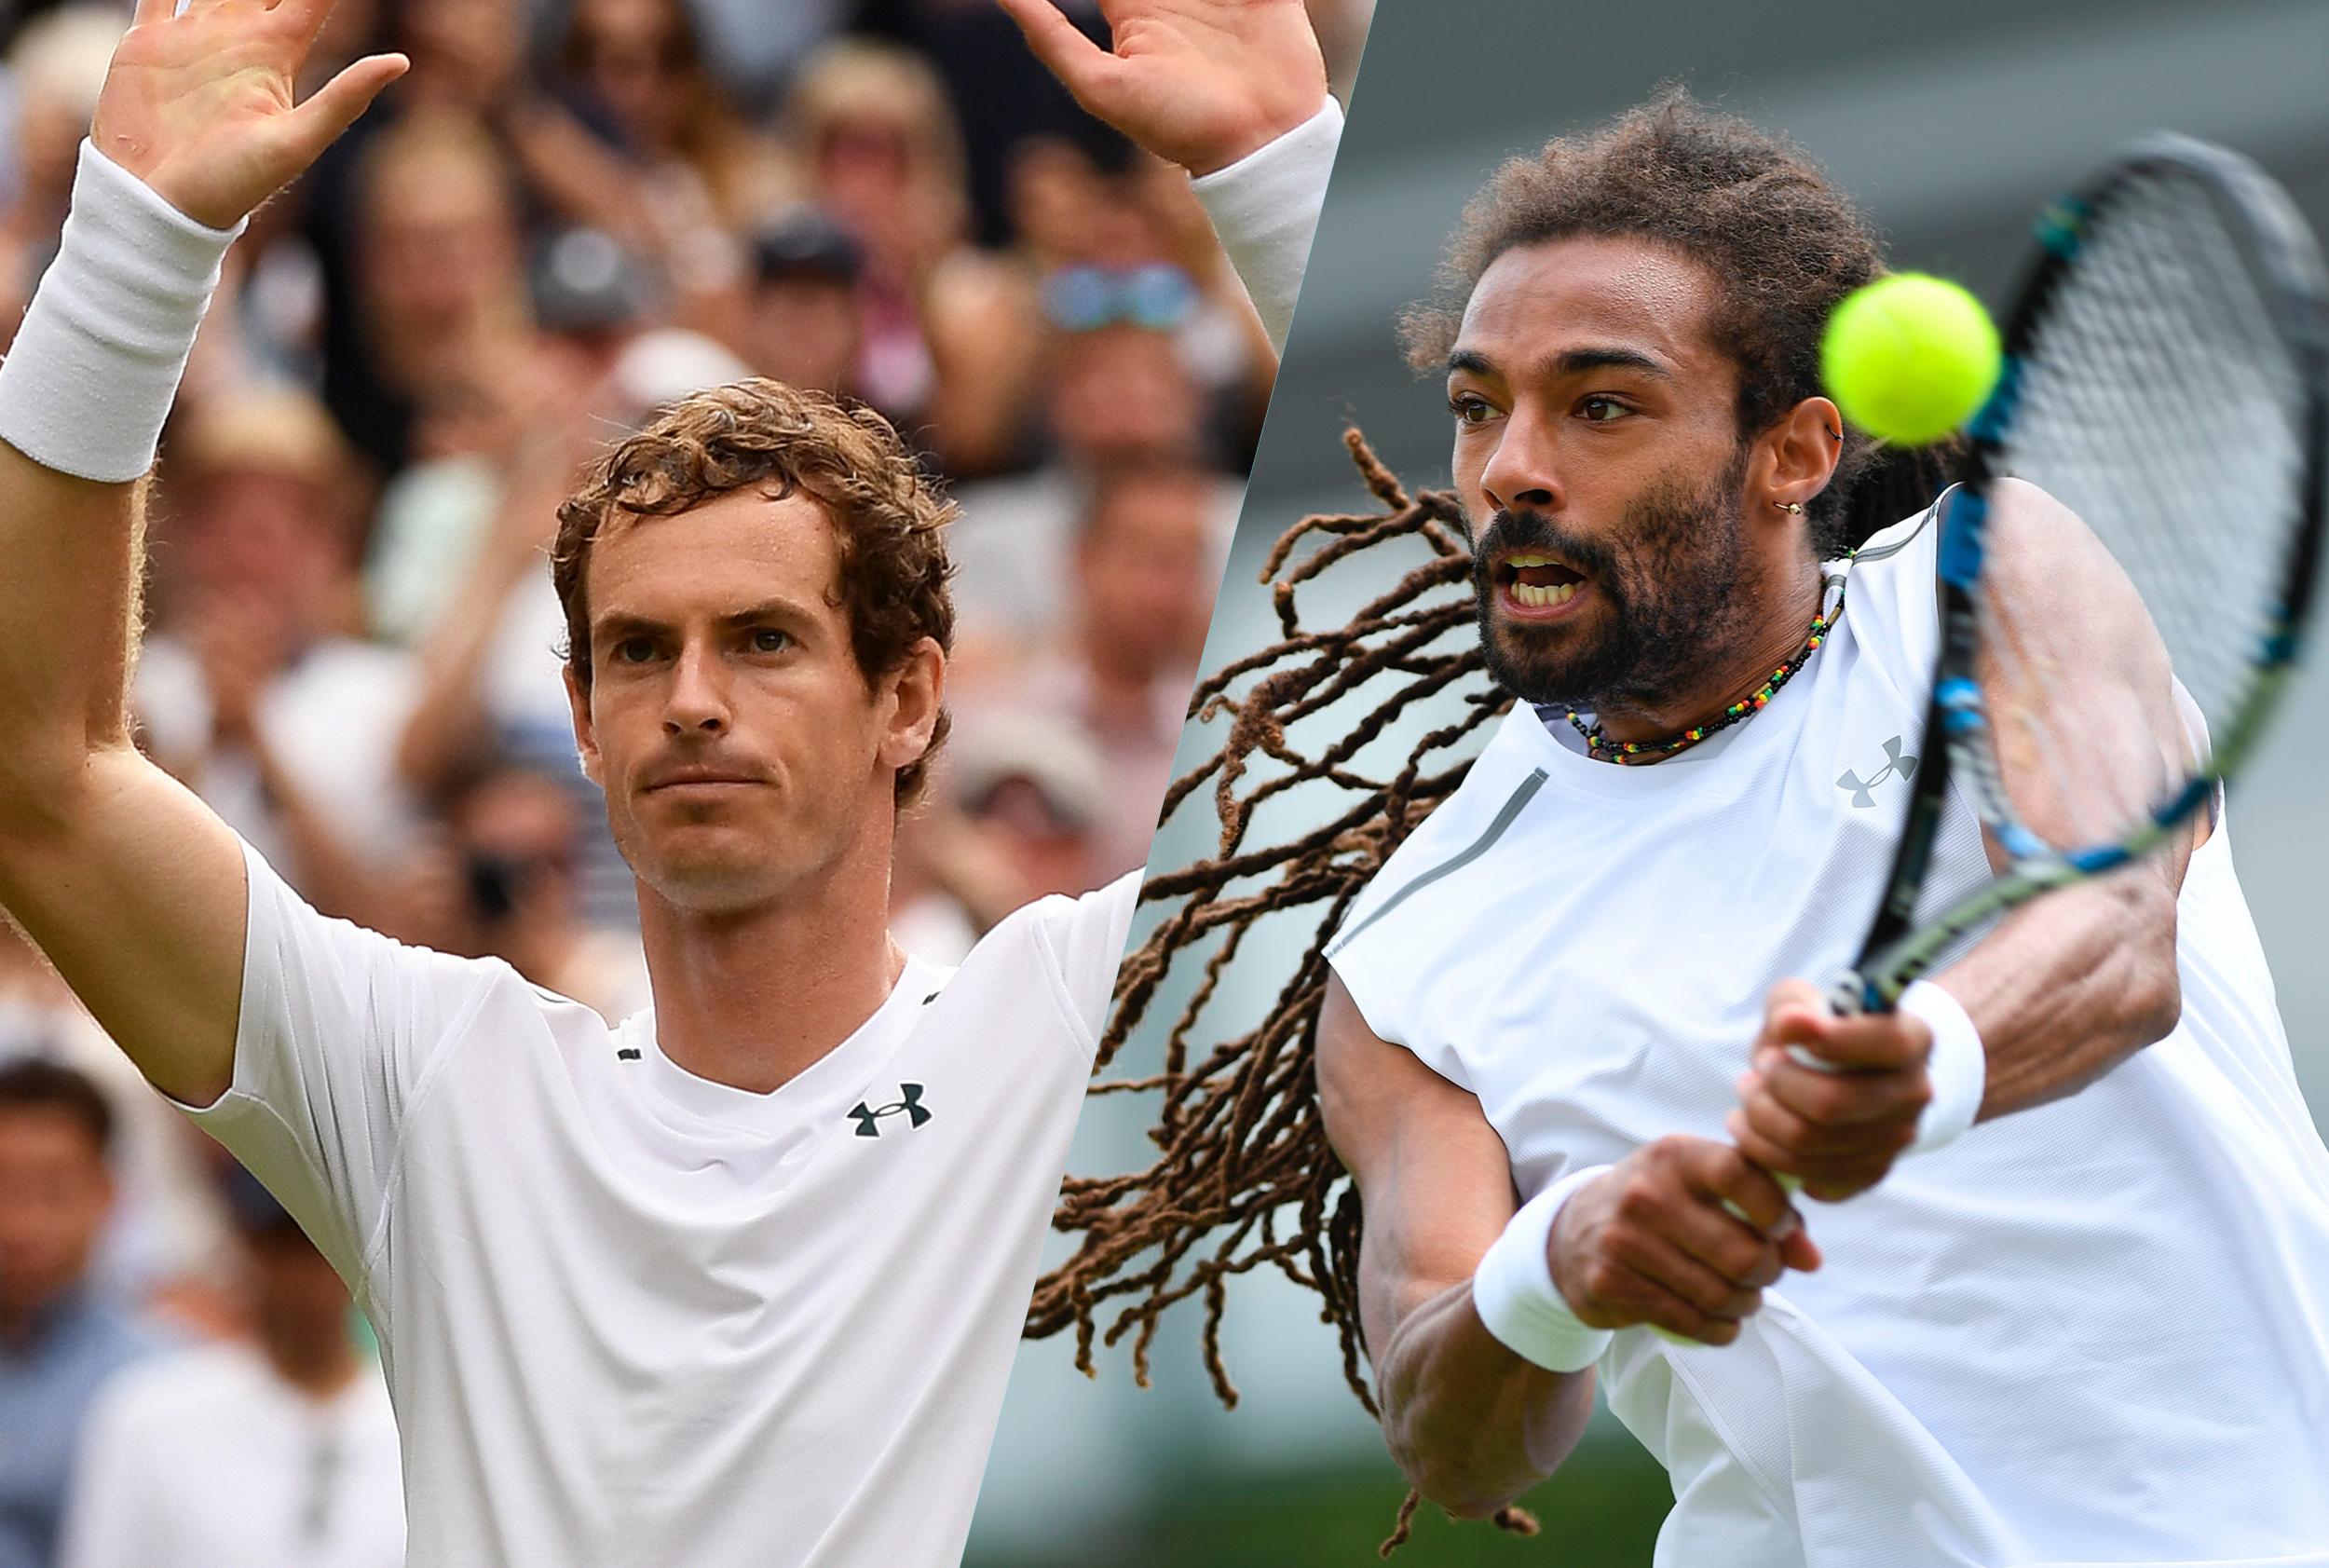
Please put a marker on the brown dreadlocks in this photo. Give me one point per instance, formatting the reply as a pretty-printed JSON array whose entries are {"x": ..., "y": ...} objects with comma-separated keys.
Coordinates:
[
  {"x": 1243, "y": 1145},
  {"x": 1244, "y": 1176}
]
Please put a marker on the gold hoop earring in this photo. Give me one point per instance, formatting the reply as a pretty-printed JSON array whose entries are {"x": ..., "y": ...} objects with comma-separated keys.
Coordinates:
[{"x": 1794, "y": 509}]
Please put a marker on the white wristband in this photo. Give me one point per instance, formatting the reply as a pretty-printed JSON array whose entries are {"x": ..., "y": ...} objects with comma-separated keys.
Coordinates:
[
  {"x": 96, "y": 362},
  {"x": 1958, "y": 1067},
  {"x": 1513, "y": 1288},
  {"x": 1264, "y": 209}
]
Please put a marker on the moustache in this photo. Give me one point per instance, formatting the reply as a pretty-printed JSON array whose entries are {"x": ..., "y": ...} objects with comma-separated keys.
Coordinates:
[{"x": 1511, "y": 531}]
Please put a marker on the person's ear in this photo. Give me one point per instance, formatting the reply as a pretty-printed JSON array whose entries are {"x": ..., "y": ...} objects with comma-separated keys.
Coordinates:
[
  {"x": 912, "y": 696},
  {"x": 1795, "y": 459},
  {"x": 585, "y": 737}
]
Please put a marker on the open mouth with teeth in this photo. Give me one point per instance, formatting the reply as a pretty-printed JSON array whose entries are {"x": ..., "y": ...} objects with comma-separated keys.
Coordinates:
[{"x": 1536, "y": 583}]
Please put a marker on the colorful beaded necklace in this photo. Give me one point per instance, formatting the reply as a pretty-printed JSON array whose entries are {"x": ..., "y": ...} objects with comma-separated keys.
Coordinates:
[{"x": 1601, "y": 749}]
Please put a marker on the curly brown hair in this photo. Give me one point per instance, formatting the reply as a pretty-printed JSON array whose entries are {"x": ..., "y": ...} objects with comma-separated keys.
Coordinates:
[
  {"x": 888, "y": 517},
  {"x": 1782, "y": 242}
]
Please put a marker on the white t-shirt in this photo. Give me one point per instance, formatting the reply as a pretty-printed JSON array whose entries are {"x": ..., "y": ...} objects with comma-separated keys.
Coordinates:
[
  {"x": 2092, "y": 1331},
  {"x": 208, "y": 1459},
  {"x": 632, "y": 1317}
]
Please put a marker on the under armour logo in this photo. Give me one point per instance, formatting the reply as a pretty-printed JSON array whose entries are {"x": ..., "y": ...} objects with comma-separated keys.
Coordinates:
[
  {"x": 909, "y": 1100},
  {"x": 1896, "y": 763}
]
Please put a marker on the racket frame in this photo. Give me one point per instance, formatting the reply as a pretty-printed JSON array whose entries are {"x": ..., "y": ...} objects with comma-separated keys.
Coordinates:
[{"x": 2270, "y": 233}]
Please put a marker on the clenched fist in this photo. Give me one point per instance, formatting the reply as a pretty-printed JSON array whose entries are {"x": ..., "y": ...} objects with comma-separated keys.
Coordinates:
[
  {"x": 1838, "y": 1125},
  {"x": 1683, "y": 1234}
]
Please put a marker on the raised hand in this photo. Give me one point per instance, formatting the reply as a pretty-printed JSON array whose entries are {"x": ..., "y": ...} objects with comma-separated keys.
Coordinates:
[
  {"x": 200, "y": 105},
  {"x": 1838, "y": 1126},
  {"x": 1683, "y": 1234},
  {"x": 1199, "y": 82}
]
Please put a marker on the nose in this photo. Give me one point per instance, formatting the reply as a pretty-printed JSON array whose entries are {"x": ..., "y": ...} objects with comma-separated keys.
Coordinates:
[
  {"x": 698, "y": 699},
  {"x": 1521, "y": 475}
]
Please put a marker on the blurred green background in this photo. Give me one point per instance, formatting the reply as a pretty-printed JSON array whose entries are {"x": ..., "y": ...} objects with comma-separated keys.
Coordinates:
[{"x": 1953, "y": 123}]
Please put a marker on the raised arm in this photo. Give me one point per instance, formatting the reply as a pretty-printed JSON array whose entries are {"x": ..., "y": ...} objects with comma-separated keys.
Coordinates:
[
  {"x": 122, "y": 877},
  {"x": 2064, "y": 987},
  {"x": 1472, "y": 1422},
  {"x": 1233, "y": 91}
]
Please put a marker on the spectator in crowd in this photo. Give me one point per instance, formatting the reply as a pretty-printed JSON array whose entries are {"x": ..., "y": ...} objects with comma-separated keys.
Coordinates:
[
  {"x": 256, "y": 687},
  {"x": 806, "y": 325},
  {"x": 54, "y": 67},
  {"x": 1037, "y": 788},
  {"x": 1117, "y": 394},
  {"x": 60, "y": 1338},
  {"x": 1018, "y": 793},
  {"x": 448, "y": 335},
  {"x": 881, "y": 152},
  {"x": 274, "y": 1449},
  {"x": 160, "y": 1242},
  {"x": 636, "y": 68},
  {"x": 516, "y": 841},
  {"x": 1141, "y": 593}
]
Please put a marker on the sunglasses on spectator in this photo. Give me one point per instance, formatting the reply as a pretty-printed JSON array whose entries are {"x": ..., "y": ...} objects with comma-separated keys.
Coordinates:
[{"x": 1155, "y": 295}]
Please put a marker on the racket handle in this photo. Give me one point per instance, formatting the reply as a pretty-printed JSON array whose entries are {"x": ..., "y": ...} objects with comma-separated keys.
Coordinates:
[{"x": 1848, "y": 994}]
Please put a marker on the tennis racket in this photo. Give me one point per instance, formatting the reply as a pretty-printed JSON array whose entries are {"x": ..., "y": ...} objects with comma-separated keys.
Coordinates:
[{"x": 2167, "y": 379}]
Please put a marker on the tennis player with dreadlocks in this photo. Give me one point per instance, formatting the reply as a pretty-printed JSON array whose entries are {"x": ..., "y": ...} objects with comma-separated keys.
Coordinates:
[
  {"x": 2087, "y": 1321},
  {"x": 736, "y": 1280}
]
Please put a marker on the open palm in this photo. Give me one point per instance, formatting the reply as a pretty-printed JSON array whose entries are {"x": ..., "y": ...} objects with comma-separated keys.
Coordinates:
[
  {"x": 200, "y": 105},
  {"x": 1201, "y": 82}
]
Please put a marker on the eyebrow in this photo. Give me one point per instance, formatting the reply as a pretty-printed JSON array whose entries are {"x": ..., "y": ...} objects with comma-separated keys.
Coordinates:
[
  {"x": 1569, "y": 361},
  {"x": 627, "y": 625}
]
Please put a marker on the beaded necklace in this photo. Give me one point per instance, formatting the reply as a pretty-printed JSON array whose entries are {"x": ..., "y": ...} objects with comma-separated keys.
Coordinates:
[{"x": 1601, "y": 749}]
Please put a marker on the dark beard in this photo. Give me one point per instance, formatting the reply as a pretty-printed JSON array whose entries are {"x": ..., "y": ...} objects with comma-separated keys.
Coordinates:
[{"x": 1673, "y": 602}]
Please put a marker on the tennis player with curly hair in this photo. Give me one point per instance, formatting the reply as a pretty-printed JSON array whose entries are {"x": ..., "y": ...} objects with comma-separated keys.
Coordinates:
[
  {"x": 1521, "y": 1116},
  {"x": 736, "y": 1280}
]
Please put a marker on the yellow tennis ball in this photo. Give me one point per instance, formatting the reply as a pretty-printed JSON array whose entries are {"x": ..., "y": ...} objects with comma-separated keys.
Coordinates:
[{"x": 1910, "y": 357}]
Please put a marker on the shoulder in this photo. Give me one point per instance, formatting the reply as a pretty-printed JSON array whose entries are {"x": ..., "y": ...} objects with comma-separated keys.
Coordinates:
[
  {"x": 285, "y": 927},
  {"x": 1454, "y": 838},
  {"x": 1066, "y": 948},
  {"x": 1056, "y": 920},
  {"x": 1892, "y": 586}
]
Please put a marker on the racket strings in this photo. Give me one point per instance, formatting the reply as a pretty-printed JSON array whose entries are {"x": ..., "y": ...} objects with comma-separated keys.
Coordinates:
[{"x": 2157, "y": 404}]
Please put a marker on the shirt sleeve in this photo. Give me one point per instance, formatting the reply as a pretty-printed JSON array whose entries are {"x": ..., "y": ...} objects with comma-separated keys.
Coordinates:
[
  {"x": 338, "y": 1031},
  {"x": 1265, "y": 208},
  {"x": 1085, "y": 937}
]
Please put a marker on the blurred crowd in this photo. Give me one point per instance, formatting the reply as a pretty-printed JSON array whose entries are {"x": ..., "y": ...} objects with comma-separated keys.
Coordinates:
[{"x": 570, "y": 212}]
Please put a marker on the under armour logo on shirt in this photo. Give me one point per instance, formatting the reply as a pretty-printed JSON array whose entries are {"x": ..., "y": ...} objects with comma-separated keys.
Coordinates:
[
  {"x": 909, "y": 1100},
  {"x": 1896, "y": 763}
]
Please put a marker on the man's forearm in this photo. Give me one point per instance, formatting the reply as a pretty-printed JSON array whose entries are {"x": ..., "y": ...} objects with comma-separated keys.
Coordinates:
[
  {"x": 69, "y": 555},
  {"x": 1473, "y": 1424},
  {"x": 82, "y": 398},
  {"x": 2068, "y": 987}
]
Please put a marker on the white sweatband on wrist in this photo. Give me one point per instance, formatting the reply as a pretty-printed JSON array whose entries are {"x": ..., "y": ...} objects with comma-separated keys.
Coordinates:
[
  {"x": 1513, "y": 1288},
  {"x": 1958, "y": 1066},
  {"x": 1264, "y": 209},
  {"x": 96, "y": 362}
]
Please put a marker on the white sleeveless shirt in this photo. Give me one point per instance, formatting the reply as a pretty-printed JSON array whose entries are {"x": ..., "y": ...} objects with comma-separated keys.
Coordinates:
[{"x": 2095, "y": 1331}]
